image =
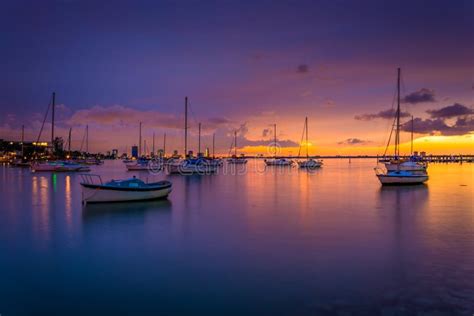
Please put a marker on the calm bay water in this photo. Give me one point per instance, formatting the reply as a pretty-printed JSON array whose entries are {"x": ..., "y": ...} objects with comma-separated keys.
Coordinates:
[{"x": 327, "y": 242}]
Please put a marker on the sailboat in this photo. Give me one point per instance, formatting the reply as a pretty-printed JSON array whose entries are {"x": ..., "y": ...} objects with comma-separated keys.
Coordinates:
[
  {"x": 309, "y": 163},
  {"x": 277, "y": 161},
  {"x": 235, "y": 159},
  {"x": 87, "y": 160},
  {"x": 58, "y": 165},
  {"x": 190, "y": 165},
  {"x": 399, "y": 171},
  {"x": 141, "y": 163},
  {"x": 21, "y": 162},
  {"x": 412, "y": 164}
]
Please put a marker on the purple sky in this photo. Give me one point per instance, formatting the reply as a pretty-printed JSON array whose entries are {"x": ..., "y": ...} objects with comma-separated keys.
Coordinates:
[{"x": 244, "y": 64}]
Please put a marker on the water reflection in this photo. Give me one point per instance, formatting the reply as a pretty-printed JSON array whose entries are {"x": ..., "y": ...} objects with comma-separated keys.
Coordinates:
[{"x": 111, "y": 211}]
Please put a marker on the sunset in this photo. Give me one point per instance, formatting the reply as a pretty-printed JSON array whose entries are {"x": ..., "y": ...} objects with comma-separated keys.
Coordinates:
[
  {"x": 231, "y": 157},
  {"x": 241, "y": 64}
]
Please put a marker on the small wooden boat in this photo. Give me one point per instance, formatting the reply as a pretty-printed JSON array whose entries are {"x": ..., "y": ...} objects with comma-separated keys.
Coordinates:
[{"x": 95, "y": 191}]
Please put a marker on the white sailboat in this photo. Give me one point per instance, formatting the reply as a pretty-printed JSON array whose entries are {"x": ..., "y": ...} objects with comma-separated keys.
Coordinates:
[
  {"x": 309, "y": 163},
  {"x": 277, "y": 161},
  {"x": 412, "y": 164},
  {"x": 236, "y": 160},
  {"x": 398, "y": 171}
]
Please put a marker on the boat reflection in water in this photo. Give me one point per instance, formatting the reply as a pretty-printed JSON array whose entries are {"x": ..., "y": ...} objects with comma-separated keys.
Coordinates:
[{"x": 93, "y": 211}]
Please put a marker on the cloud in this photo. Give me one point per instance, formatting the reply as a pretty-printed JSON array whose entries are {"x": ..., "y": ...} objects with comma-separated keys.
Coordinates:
[
  {"x": 218, "y": 120},
  {"x": 439, "y": 126},
  {"x": 266, "y": 132},
  {"x": 243, "y": 141},
  {"x": 302, "y": 69},
  {"x": 354, "y": 141},
  {"x": 121, "y": 116},
  {"x": 387, "y": 114},
  {"x": 450, "y": 111},
  {"x": 420, "y": 96}
]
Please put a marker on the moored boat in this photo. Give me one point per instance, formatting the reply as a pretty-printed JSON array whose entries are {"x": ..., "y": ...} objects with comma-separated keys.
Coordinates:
[
  {"x": 395, "y": 165},
  {"x": 58, "y": 166},
  {"x": 122, "y": 190},
  {"x": 401, "y": 177},
  {"x": 401, "y": 171},
  {"x": 192, "y": 166},
  {"x": 279, "y": 162},
  {"x": 309, "y": 163},
  {"x": 236, "y": 160}
]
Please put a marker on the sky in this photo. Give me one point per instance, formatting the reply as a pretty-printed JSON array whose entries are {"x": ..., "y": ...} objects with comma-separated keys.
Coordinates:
[{"x": 245, "y": 65}]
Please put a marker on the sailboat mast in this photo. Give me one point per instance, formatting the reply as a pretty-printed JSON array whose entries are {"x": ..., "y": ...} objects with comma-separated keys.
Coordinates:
[
  {"x": 140, "y": 140},
  {"x": 235, "y": 143},
  {"x": 412, "y": 123},
  {"x": 22, "y": 141},
  {"x": 52, "y": 120},
  {"x": 69, "y": 141},
  {"x": 87, "y": 139},
  {"x": 397, "y": 135},
  {"x": 153, "y": 148},
  {"x": 185, "y": 126},
  {"x": 306, "y": 127},
  {"x": 199, "y": 139},
  {"x": 275, "y": 139},
  {"x": 164, "y": 145},
  {"x": 214, "y": 145}
]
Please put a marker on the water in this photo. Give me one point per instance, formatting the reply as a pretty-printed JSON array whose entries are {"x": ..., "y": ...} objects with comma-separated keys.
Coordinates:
[{"x": 330, "y": 242}]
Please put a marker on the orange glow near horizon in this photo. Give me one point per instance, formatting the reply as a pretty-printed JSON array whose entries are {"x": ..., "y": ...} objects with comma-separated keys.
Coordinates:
[{"x": 436, "y": 145}]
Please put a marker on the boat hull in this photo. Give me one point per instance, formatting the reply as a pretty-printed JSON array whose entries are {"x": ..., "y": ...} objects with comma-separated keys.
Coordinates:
[
  {"x": 400, "y": 180},
  {"x": 191, "y": 169},
  {"x": 58, "y": 168},
  {"x": 279, "y": 162},
  {"x": 310, "y": 164},
  {"x": 233, "y": 161},
  {"x": 104, "y": 195}
]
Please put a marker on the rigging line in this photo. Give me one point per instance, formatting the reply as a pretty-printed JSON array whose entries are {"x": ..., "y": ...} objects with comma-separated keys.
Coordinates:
[
  {"x": 192, "y": 113},
  {"x": 231, "y": 146},
  {"x": 389, "y": 138},
  {"x": 82, "y": 142},
  {"x": 393, "y": 122},
  {"x": 44, "y": 120},
  {"x": 302, "y": 136}
]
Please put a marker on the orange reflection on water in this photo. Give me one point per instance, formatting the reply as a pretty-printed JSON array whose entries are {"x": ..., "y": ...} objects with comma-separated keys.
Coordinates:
[{"x": 68, "y": 201}]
